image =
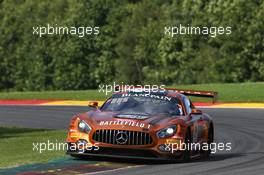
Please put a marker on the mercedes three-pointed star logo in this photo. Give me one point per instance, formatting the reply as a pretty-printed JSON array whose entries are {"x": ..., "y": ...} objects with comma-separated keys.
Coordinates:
[{"x": 121, "y": 137}]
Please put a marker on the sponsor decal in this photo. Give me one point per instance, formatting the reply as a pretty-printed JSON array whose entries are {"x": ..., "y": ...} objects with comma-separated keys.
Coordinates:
[
  {"x": 124, "y": 123},
  {"x": 171, "y": 141},
  {"x": 160, "y": 97},
  {"x": 132, "y": 116}
]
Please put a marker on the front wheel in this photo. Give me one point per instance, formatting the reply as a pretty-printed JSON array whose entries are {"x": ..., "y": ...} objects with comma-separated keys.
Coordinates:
[{"x": 187, "y": 142}]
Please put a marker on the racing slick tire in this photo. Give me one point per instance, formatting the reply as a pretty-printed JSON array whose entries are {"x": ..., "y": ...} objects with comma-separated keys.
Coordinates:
[
  {"x": 187, "y": 141},
  {"x": 210, "y": 139}
]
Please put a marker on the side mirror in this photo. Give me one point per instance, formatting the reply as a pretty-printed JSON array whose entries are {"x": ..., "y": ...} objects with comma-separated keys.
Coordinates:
[
  {"x": 93, "y": 104},
  {"x": 196, "y": 112}
]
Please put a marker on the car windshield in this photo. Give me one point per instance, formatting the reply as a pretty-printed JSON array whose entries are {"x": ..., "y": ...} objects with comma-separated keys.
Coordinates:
[{"x": 143, "y": 104}]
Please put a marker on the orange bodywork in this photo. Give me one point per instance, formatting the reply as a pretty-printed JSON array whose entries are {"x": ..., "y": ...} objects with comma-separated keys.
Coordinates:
[{"x": 140, "y": 135}]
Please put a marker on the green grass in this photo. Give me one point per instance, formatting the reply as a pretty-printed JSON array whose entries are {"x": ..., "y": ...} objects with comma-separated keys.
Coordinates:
[
  {"x": 233, "y": 92},
  {"x": 16, "y": 145}
]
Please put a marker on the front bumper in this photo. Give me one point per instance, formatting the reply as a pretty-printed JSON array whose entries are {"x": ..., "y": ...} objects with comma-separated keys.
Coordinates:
[
  {"x": 120, "y": 152},
  {"x": 140, "y": 149}
]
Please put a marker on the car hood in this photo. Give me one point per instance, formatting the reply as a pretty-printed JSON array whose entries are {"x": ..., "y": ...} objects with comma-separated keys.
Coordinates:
[{"x": 117, "y": 120}]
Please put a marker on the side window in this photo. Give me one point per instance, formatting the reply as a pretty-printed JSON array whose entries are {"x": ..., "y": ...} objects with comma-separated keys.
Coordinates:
[
  {"x": 188, "y": 105},
  {"x": 192, "y": 106}
]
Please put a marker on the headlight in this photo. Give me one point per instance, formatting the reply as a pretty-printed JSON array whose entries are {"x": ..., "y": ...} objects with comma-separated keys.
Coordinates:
[
  {"x": 83, "y": 126},
  {"x": 167, "y": 132}
]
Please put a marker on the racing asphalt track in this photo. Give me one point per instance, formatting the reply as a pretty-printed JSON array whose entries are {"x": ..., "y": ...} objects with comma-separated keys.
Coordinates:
[{"x": 244, "y": 128}]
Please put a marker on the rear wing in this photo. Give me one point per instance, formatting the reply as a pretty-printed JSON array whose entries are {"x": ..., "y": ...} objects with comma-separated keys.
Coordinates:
[{"x": 196, "y": 93}]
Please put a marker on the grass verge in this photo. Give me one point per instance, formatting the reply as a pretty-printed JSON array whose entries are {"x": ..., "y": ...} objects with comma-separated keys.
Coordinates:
[
  {"x": 231, "y": 92},
  {"x": 16, "y": 146}
]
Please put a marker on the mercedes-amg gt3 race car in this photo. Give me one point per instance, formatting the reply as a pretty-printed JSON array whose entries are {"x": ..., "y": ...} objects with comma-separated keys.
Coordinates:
[{"x": 149, "y": 125}]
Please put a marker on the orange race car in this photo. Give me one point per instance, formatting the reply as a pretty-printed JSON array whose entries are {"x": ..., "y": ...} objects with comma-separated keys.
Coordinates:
[{"x": 143, "y": 124}]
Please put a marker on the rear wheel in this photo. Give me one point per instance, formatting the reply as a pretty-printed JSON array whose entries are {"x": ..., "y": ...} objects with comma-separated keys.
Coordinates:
[{"x": 210, "y": 140}]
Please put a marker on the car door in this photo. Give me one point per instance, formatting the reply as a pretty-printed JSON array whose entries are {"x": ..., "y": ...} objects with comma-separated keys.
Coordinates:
[{"x": 196, "y": 120}]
